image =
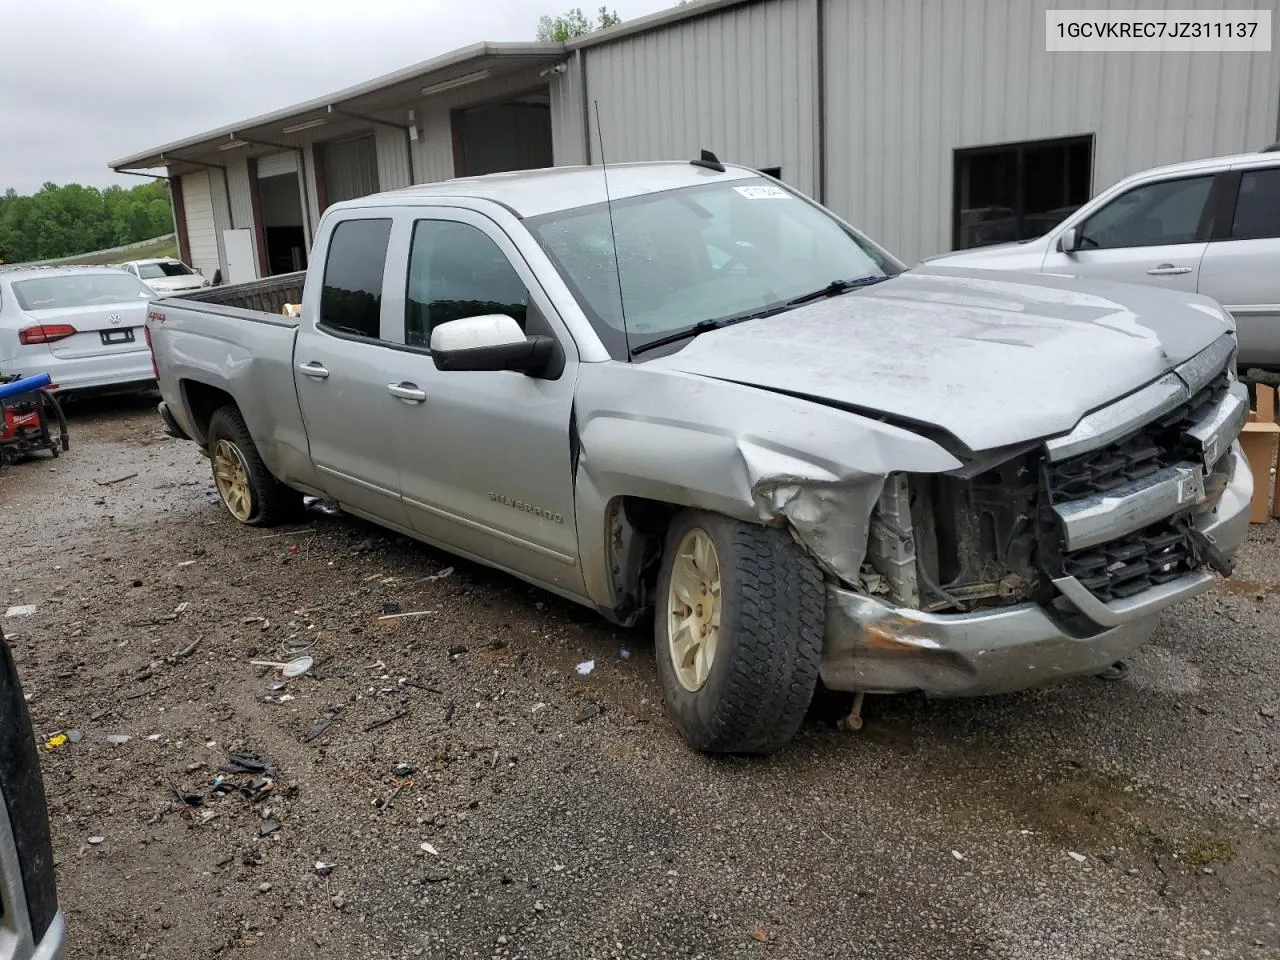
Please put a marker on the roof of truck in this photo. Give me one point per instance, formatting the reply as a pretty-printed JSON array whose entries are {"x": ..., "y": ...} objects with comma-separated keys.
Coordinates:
[{"x": 531, "y": 193}]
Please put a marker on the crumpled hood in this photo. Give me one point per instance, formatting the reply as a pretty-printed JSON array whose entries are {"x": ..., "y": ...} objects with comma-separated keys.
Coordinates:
[{"x": 994, "y": 358}]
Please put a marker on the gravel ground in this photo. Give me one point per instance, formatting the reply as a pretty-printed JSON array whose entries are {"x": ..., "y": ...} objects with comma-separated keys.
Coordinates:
[{"x": 563, "y": 816}]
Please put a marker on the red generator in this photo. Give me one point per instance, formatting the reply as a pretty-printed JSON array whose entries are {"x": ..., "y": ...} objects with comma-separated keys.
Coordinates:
[{"x": 27, "y": 408}]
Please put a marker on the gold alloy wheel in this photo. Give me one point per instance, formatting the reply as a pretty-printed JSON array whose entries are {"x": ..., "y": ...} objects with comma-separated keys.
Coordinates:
[
  {"x": 693, "y": 609},
  {"x": 231, "y": 474}
]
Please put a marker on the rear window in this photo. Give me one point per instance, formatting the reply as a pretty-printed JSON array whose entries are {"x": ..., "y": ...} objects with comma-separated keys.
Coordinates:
[
  {"x": 154, "y": 271},
  {"x": 79, "y": 290},
  {"x": 351, "y": 300}
]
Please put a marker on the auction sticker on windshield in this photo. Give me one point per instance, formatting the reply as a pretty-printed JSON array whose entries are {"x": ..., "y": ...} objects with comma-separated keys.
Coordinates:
[{"x": 763, "y": 193}]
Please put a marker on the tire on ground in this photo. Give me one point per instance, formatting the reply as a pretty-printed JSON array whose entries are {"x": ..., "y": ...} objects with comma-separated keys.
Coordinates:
[
  {"x": 272, "y": 501},
  {"x": 765, "y": 668}
]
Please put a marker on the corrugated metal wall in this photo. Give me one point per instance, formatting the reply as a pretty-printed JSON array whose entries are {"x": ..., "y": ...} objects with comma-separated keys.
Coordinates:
[
  {"x": 312, "y": 205},
  {"x": 434, "y": 160},
  {"x": 910, "y": 81},
  {"x": 218, "y": 186},
  {"x": 393, "y": 158},
  {"x": 197, "y": 202},
  {"x": 742, "y": 82},
  {"x": 567, "y": 143},
  {"x": 241, "y": 200}
]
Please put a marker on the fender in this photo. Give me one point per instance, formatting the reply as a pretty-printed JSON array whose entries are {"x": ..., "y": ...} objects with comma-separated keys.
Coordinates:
[{"x": 756, "y": 456}]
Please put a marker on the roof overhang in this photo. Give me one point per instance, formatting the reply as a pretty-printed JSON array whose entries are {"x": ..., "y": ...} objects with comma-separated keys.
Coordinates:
[{"x": 392, "y": 94}]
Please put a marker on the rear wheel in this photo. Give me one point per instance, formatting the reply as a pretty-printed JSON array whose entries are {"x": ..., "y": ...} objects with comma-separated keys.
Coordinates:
[
  {"x": 245, "y": 485},
  {"x": 738, "y": 633}
]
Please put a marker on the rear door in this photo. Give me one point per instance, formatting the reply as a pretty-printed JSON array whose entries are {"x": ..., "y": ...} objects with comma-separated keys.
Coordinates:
[
  {"x": 1241, "y": 267},
  {"x": 1154, "y": 233},
  {"x": 340, "y": 368}
]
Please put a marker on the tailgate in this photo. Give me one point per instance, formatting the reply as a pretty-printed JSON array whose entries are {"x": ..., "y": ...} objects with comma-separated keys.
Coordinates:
[{"x": 99, "y": 330}]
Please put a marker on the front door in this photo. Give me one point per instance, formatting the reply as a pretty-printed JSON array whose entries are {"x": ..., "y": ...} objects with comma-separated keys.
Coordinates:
[
  {"x": 486, "y": 462},
  {"x": 340, "y": 368},
  {"x": 1154, "y": 234}
]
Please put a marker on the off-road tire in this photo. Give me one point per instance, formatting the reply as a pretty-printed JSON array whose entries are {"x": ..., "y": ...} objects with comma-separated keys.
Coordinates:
[
  {"x": 272, "y": 501},
  {"x": 765, "y": 668}
]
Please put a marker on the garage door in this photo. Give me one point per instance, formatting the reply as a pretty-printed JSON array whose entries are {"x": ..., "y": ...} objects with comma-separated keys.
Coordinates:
[
  {"x": 197, "y": 201},
  {"x": 351, "y": 168}
]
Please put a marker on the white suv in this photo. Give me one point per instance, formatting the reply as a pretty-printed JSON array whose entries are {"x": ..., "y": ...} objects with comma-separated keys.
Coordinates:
[{"x": 1208, "y": 226}]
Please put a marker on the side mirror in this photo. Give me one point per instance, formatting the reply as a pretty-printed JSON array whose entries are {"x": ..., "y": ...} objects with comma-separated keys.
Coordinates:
[
  {"x": 491, "y": 342},
  {"x": 1069, "y": 240}
]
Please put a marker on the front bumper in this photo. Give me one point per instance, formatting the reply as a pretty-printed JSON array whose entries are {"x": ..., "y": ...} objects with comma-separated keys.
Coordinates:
[{"x": 874, "y": 647}]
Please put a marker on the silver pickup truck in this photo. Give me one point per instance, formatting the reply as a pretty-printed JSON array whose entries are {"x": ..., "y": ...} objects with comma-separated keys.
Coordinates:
[{"x": 704, "y": 395}]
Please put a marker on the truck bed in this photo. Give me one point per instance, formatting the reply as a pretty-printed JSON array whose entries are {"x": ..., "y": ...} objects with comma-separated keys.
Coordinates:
[
  {"x": 231, "y": 344},
  {"x": 257, "y": 296}
]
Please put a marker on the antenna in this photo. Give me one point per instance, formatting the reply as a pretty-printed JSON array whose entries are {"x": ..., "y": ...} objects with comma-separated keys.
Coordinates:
[{"x": 613, "y": 235}]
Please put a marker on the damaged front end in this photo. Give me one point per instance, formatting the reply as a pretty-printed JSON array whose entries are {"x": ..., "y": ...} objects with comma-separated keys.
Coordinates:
[{"x": 1050, "y": 560}]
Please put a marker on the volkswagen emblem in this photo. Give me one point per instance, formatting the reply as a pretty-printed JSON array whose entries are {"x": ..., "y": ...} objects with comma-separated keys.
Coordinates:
[{"x": 114, "y": 318}]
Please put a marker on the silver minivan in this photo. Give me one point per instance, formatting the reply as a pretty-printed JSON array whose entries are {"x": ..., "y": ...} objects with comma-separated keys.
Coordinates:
[{"x": 1208, "y": 226}]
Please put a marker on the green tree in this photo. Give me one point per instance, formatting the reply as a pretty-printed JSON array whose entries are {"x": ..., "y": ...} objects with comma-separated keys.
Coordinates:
[
  {"x": 62, "y": 221},
  {"x": 575, "y": 23}
]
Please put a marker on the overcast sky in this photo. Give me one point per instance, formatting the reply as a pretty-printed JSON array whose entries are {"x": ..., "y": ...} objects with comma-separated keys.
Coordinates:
[{"x": 83, "y": 82}]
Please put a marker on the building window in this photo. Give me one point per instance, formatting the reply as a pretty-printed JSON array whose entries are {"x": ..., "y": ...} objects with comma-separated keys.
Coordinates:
[{"x": 1016, "y": 191}]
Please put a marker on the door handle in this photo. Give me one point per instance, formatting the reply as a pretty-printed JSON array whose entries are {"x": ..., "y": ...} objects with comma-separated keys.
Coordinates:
[
  {"x": 313, "y": 369},
  {"x": 408, "y": 392},
  {"x": 1167, "y": 270}
]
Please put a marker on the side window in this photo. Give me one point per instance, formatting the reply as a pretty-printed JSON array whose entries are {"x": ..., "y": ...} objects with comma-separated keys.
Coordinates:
[
  {"x": 1150, "y": 215},
  {"x": 1257, "y": 206},
  {"x": 456, "y": 271},
  {"x": 351, "y": 299}
]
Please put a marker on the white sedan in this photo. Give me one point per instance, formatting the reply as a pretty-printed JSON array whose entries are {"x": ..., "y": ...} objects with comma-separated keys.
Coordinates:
[
  {"x": 84, "y": 326},
  {"x": 166, "y": 275}
]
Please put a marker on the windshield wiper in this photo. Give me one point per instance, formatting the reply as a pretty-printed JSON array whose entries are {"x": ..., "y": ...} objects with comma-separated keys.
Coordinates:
[
  {"x": 702, "y": 326},
  {"x": 706, "y": 326},
  {"x": 834, "y": 289}
]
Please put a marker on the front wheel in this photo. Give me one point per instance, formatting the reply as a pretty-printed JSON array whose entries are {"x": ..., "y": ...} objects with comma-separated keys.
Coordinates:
[
  {"x": 245, "y": 485},
  {"x": 738, "y": 631}
]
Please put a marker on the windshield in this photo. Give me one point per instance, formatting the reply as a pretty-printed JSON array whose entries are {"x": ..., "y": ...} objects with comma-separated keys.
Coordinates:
[
  {"x": 79, "y": 290},
  {"x": 170, "y": 268},
  {"x": 699, "y": 253}
]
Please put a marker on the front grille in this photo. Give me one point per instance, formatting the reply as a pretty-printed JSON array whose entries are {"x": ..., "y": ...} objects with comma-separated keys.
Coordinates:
[
  {"x": 1131, "y": 564},
  {"x": 1154, "y": 446},
  {"x": 1156, "y": 554}
]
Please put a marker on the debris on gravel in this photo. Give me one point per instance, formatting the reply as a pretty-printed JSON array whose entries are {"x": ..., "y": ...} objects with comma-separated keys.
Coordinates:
[{"x": 218, "y": 838}]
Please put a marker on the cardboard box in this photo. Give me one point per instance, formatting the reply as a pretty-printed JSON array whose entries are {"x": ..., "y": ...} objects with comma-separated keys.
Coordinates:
[{"x": 1260, "y": 442}]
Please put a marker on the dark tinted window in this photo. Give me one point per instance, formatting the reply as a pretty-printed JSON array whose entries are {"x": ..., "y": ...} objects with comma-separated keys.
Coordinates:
[
  {"x": 1257, "y": 206},
  {"x": 351, "y": 300},
  {"x": 1150, "y": 215},
  {"x": 456, "y": 271},
  {"x": 1017, "y": 191}
]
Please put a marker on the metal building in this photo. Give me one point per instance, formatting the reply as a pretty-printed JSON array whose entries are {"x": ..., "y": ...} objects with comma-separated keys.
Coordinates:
[{"x": 931, "y": 124}]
